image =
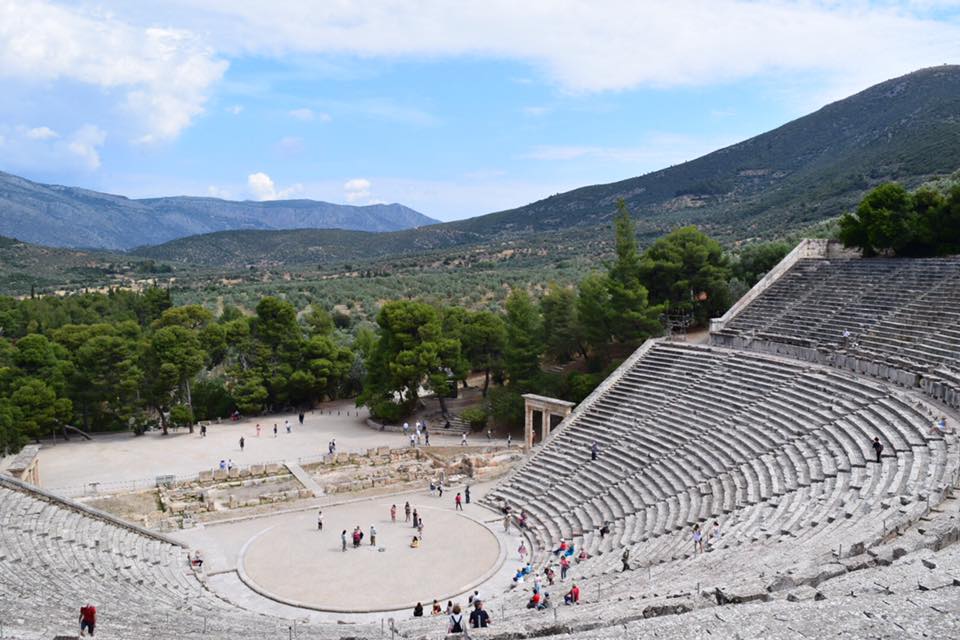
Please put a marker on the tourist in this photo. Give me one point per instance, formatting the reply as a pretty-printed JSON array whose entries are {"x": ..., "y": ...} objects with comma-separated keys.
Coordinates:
[
  {"x": 458, "y": 501},
  {"x": 878, "y": 447},
  {"x": 564, "y": 567},
  {"x": 522, "y": 522},
  {"x": 489, "y": 434},
  {"x": 939, "y": 426},
  {"x": 473, "y": 597},
  {"x": 418, "y": 611},
  {"x": 437, "y": 609},
  {"x": 697, "y": 539},
  {"x": 522, "y": 550},
  {"x": 479, "y": 619},
  {"x": 563, "y": 545},
  {"x": 551, "y": 575},
  {"x": 416, "y": 518},
  {"x": 274, "y": 429},
  {"x": 357, "y": 537},
  {"x": 534, "y": 601},
  {"x": 300, "y": 417},
  {"x": 537, "y": 584},
  {"x": 604, "y": 530},
  {"x": 440, "y": 488},
  {"x": 406, "y": 428},
  {"x": 417, "y": 432},
  {"x": 466, "y": 494},
  {"x": 544, "y": 601},
  {"x": 373, "y": 536},
  {"x": 433, "y": 488},
  {"x": 573, "y": 596},
  {"x": 88, "y": 619},
  {"x": 258, "y": 429},
  {"x": 506, "y": 523},
  {"x": 393, "y": 513},
  {"x": 413, "y": 441},
  {"x": 625, "y": 559},
  {"x": 449, "y": 607},
  {"x": 594, "y": 449},
  {"x": 456, "y": 621},
  {"x": 195, "y": 561},
  {"x": 583, "y": 555},
  {"x": 229, "y": 463},
  {"x": 509, "y": 440},
  {"x": 241, "y": 444},
  {"x": 320, "y": 520},
  {"x": 286, "y": 424},
  {"x": 426, "y": 438},
  {"x": 203, "y": 431},
  {"x": 343, "y": 540},
  {"x": 415, "y": 543},
  {"x": 420, "y": 528},
  {"x": 715, "y": 534},
  {"x": 406, "y": 511},
  {"x": 223, "y": 465},
  {"x": 463, "y": 439}
]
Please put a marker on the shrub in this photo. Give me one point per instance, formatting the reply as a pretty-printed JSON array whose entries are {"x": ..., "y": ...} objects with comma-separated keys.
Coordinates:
[{"x": 476, "y": 417}]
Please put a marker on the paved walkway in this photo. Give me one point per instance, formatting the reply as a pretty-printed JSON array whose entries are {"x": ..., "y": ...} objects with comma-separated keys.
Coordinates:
[{"x": 120, "y": 458}]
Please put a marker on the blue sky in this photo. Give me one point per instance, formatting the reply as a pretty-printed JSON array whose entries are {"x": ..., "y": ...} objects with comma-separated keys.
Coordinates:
[{"x": 455, "y": 109}]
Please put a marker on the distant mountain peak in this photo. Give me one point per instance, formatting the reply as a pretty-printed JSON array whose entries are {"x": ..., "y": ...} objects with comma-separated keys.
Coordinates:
[{"x": 62, "y": 216}]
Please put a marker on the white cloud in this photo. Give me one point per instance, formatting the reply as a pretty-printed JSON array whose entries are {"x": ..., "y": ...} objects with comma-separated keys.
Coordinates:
[
  {"x": 42, "y": 133},
  {"x": 162, "y": 76},
  {"x": 309, "y": 115},
  {"x": 583, "y": 47},
  {"x": 357, "y": 190},
  {"x": 290, "y": 145},
  {"x": 263, "y": 188},
  {"x": 656, "y": 151},
  {"x": 234, "y": 109},
  {"x": 216, "y": 192},
  {"x": 85, "y": 144},
  {"x": 535, "y": 112}
]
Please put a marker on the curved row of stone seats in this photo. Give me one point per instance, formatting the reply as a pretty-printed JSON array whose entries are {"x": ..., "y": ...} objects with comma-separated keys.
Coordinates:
[
  {"x": 772, "y": 449},
  {"x": 56, "y": 555},
  {"x": 902, "y": 315}
]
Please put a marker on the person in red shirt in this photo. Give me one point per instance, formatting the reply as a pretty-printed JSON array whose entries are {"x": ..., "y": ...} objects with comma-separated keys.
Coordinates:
[
  {"x": 88, "y": 619},
  {"x": 573, "y": 596}
]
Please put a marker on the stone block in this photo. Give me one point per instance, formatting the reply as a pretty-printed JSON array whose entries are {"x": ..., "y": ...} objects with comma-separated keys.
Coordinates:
[
  {"x": 206, "y": 476},
  {"x": 256, "y": 469},
  {"x": 220, "y": 474},
  {"x": 273, "y": 468}
]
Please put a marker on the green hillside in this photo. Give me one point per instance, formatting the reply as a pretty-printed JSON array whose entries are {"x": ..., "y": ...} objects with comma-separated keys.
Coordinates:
[{"x": 808, "y": 170}]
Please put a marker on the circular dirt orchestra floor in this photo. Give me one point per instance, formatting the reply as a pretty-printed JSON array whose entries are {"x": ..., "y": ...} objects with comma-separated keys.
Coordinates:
[{"x": 294, "y": 563}]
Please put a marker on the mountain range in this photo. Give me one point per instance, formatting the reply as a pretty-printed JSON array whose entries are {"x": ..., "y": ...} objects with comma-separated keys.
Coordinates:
[
  {"x": 806, "y": 171},
  {"x": 59, "y": 216}
]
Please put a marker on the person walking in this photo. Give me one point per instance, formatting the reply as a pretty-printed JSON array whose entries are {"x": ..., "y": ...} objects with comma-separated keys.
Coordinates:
[
  {"x": 241, "y": 444},
  {"x": 509, "y": 440},
  {"x": 458, "y": 501},
  {"x": 274, "y": 429},
  {"x": 440, "y": 488},
  {"x": 564, "y": 567},
  {"x": 393, "y": 513},
  {"x": 625, "y": 559},
  {"x": 426, "y": 438},
  {"x": 343, "y": 540},
  {"x": 258, "y": 429},
  {"x": 522, "y": 550},
  {"x": 300, "y": 417},
  {"x": 416, "y": 519},
  {"x": 463, "y": 439},
  {"x": 697, "y": 539},
  {"x": 203, "y": 431},
  {"x": 594, "y": 449},
  {"x": 878, "y": 447},
  {"x": 406, "y": 512},
  {"x": 373, "y": 536},
  {"x": 88, "y": 619},
  {"x": 320, "y": 520},
  {"x": 466, "y": 494},
  {"x": 506, "y": 523},
  {"x": 286, "y": 423}
]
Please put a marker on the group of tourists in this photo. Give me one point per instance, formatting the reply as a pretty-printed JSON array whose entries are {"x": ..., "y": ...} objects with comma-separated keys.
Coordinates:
[
  {"x": 479, "y": 618},
  {"x": 419, "y": 434}
]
